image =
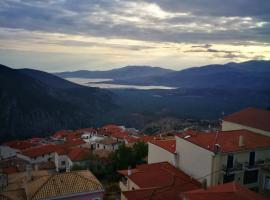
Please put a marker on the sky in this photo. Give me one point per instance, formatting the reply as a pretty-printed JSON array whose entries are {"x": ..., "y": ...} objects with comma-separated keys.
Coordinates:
[{"x": 67, "y": 35}]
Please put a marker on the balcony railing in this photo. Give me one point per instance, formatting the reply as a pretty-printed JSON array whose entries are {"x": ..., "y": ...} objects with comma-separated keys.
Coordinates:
[
  {"x": 246, "y": 166},
  {"x": 236, "y": 168}
]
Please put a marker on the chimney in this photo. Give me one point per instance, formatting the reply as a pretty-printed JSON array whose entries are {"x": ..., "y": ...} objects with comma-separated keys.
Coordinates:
[
  {"x": 129, "y": 171},
  {"x": 241, "y": 141},
  {"x": 204, "y": 184}
]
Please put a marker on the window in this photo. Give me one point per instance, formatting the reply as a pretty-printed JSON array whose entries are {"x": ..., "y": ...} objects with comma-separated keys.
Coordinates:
[
  {"x": 252, "y": 158},
  {"x": 251, "y": 176},
  {"x": 230, "y": 161},
  {"x": 63, "y": 162}
]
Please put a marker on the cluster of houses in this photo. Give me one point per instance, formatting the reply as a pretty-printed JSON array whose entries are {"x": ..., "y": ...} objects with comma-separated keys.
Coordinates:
[
  {"x": 230, "y": 163},
  {"x": 42, "y": 158}
]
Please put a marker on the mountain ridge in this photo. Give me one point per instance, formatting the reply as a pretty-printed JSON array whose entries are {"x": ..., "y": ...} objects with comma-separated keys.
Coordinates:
[{"x": 31, "y": 106}]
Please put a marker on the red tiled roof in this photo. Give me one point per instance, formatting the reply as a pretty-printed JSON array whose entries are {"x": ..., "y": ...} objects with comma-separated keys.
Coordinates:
[
  {"x": 75, "y": 142},
  {"x": 72, "y": 136},
  {"x": 228, "y": 140},
  {"x": 130, "y": 139},
  {"x": 147, "y": 138},
  {"x": 228, "y": 191},
  {"x": 119, "y": 135},
  {"x": 19, "y": 144},
  {"x": 9, "y": 170},
  {"x": 43, "y": 150},
  {"x": 111, "y": 128},
  {"x": 62, "y": 133},
  {"x": 256, "y": 118},
  {"x": 168, "y": 145},
  {"x": 159, "y": 181},
  {"x": 159, "y": 175},
  {"x": 78, "y": 154}
]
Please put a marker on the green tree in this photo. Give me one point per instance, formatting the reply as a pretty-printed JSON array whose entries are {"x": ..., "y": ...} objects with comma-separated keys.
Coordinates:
[{"x": 141, "y": 151}]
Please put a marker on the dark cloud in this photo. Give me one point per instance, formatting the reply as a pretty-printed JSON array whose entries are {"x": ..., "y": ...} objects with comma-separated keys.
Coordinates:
[
  {"x": 206, "y": 21},
  {"x": 228, "y": 8}
]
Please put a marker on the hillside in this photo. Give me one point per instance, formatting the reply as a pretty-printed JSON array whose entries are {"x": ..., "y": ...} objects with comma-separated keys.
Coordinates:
[
  {"x": 37, "y": 103},
  {"x": 249, "y": 75},
  {"x": 124, "y": 73}
]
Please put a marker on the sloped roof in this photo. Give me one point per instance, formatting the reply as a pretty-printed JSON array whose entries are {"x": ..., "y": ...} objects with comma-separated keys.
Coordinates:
[
  {"x": 159, "y": 181},
  {"x": 159, "y": 175},
  {"x": 42, "y": 150},
  {"x": 78, "y": 154},
  {"x": 75, "y": 142},
  {"x": 228, "y": 191},
  {"x": 19, "y": 144},
  {"x": 168, "y": 145},
  {"x": 63, "y": 184},
  {"x": 252, "y": 117},
  {"x": 228, "y": 140}
]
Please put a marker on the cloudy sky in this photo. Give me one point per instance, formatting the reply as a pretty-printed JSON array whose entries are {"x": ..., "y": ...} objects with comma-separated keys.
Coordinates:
[{"x": 58, "y": 35}]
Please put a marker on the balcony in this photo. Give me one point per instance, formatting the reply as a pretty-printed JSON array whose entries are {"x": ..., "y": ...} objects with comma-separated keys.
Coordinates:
[{"x": 237, "y": 167}]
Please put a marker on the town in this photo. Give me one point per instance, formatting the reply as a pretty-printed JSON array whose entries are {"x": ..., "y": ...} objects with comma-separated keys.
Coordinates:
[{"x": 114, "y": 162}]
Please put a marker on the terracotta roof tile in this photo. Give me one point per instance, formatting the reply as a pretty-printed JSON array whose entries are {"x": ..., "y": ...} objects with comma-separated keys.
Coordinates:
[
  {"x": 19, "y": 144},
  {"x": 159, "y": 181},
  {"x": 228, "y": 140},
  {"x": 226, "y": 191},
  {"x": 168, "y": 145},
  {"x": 52, "y": 186},
  {"x": 256, "y": 118},
  {"x": 42, "y": 150},
  {"x": 61, "y": 133},
  {"x": 75, "y": 142},
  {"x": 158, "y": 175},
  {"x": 78, "y": 154}
]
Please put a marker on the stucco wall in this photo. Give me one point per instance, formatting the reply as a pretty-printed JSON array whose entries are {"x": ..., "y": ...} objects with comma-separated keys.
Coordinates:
[
  {"x": 228, "y": 126},
  {"x": 157, "y": 154},
  {"x": 7, "y": 152},
  {"x": 109, "y": 147},
  {"x": 194, "y": 160}
]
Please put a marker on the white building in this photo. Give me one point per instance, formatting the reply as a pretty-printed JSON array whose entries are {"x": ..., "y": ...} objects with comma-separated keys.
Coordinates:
[
  {"x": 225, "y": 156},
  {"x": 162, "y": 151},
  {"x": 108, "y": 144}
]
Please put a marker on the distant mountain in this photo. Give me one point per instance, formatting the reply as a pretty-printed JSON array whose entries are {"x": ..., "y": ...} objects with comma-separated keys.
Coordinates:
[
  {"x": 249, "y": 75},
  {"x": 124, "y": 73},
  {"x": 37, "y": 103}
]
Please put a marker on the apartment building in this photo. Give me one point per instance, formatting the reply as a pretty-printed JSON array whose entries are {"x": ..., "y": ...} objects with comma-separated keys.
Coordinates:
[{"x": 224, "y": 156}]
